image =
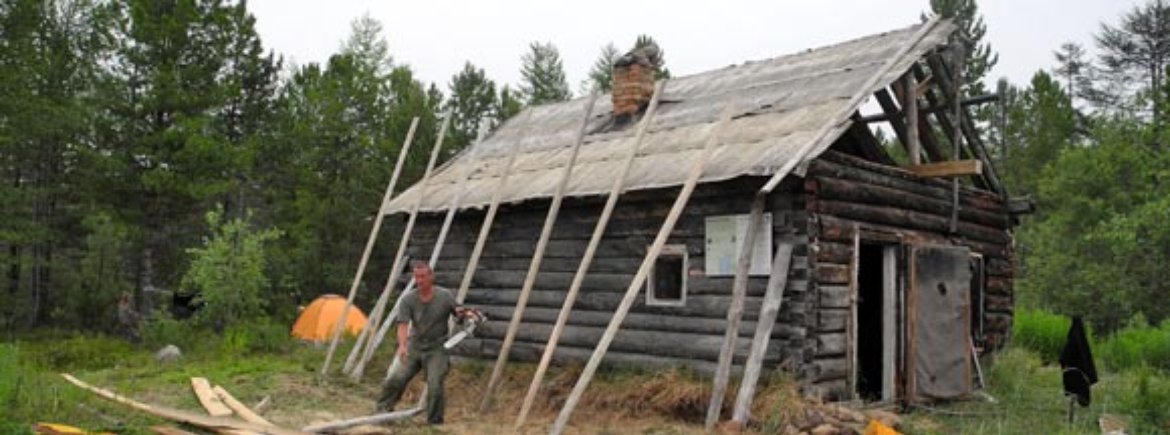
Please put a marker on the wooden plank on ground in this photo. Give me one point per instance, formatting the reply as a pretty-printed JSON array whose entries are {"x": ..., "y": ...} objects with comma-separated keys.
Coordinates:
[
  {"x": 950, "y": 168},
  {"x": 768, "y": 313},
  {"x": 240, "y": 408},
  {"x": 373, "y": 237},
  {"x": 203, "y": 421},
  {"x": 207, "y": 397},
  {"x": 639, "y": 280},
  {"x": 587, "y": 259},
  {"x": 537, "y": 256}
]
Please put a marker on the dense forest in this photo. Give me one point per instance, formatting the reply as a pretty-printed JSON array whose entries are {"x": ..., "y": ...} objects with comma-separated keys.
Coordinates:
[{"x": 157, "y": 148}]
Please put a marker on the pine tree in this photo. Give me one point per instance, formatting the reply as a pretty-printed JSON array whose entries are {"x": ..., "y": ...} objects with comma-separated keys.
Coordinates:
[
  {"x": 473, "y": 100},
  {"x": 600, "y": 77},
  {"x": 508, "y": 104},
  {"x": 1073, "y": 67},
  {"x": 980, "y": 58},
  {"x": 543, "y": 75},
  {"x": 660, "y": 62},
  {"x": 1134, "y": 57},
  {"x": 365, "y": 42}
]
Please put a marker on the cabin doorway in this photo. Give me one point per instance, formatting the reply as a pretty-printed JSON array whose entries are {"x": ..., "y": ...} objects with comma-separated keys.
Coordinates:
[{"x": 875, "y": 322}]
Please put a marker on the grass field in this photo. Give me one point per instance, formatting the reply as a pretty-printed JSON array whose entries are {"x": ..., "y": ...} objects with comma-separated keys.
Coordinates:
[{"x": 1028, "y": 393}]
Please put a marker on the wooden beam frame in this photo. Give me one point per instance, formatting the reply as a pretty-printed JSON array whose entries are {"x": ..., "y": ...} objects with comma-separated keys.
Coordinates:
[
  {"x": 640, "y": 277},
  {"x": 934, "y": 106},
  {"x": 910, "y": 109},
  {"x": 945, "y": 120},
  {"x": 550, "y": 220},
  {"x": 773, "y": 298},
  {"x": 403, "y": 241},
  {"x": 361, "y": 270},
  {"x": 735, "y": 311},
  {"x": 925, "y": 130},
  {"x": 950, "y": 168},
  {"x": 975, "y": 143},
  {"x": 823, "y": 134},
  {"x": 587, "y": 259},
  {"x": 436, "y": 251}
]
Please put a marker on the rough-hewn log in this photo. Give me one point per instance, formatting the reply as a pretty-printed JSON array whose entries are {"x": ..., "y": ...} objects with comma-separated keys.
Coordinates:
[
  {"x": 662, "y": 343},
  {"x": 952, "y": 168},
  {"x": 852, "y": 191},
  {"x": 837, "y": 165},
  {"x": 910, "y": 219},
  {"x": 830, "y": 273},
  {"x": 834, "y": 296},
  {"x": 826, "y": 369},
  {"x": 831, "y": 344},
  {"x": 833, "y": 252},
  {"x": 525, "y": 351},
  {"x": 641, "y": 321},
  {"x": 998, "y": 303},
  {"x": 697, "y": 305},
  {"x": 831, "y": 320},
  {"x": 840, "y": 229}
]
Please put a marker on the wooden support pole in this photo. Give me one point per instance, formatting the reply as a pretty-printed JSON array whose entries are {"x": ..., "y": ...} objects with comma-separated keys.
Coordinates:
[
  {"x": 643, "y": 271},
  {"x": 970, "y": 133},
  {"x": 400, "y": 255},
  {"x": 735, "y": 311},
  {"x": 488, "y": 220},
  {"x": 956, "y": 97},
  {"x": 586, "y": 260},
  {"x": 926, "y": 138},
  {"x": 357, "y": 277},
  {"x": 847, "y": 110},
  {"x": 851, "y": 326},
  {"x": 537, "y": 256},
  {"x": 773, "y": 297},
  {"x": 436, "y": 251},
  {"x": 910, "y": 108}
]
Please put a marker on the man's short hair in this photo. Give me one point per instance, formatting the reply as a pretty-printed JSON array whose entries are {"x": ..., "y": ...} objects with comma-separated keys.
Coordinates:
[{"x": 416, "y": 265}]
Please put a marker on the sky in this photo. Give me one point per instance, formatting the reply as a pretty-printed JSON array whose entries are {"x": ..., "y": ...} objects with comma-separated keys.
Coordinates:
[{"x": 436, "y": 37}]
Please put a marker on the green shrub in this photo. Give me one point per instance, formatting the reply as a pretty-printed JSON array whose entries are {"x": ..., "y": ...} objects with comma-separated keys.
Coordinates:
[
  {"x": 1147, "y": 401},
  {"x": 80, "y": 352},
  {"x": 1137, "y": 345},
  {"x": 260, "y": 336},
  {"x": 228, "y": 271},
  {"x": 1041, "y": 332},
  {"x": 162, "y": 329}
]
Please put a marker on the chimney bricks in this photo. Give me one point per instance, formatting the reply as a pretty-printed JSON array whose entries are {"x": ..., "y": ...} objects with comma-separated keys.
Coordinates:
[{"x": 633, "y": 81}]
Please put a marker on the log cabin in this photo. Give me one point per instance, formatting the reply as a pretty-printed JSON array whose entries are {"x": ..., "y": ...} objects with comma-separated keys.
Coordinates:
[{"x": 901, "y": 257}]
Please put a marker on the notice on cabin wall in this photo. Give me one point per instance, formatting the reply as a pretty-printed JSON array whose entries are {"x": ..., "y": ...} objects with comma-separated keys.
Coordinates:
[{"x": 725, "y": 235}]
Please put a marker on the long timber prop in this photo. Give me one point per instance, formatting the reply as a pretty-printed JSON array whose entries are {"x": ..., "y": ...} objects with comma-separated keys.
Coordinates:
[
  {"x": 357, "y": 277},
  {"x": 436, "y": 251},
  {"x": 735, "y": 312},
  {"x": 587, "y": 260},
  {"x": 643, "y": 271},
  {"x": 773, "y": 297},
  {"x": 537, "y": 257},
  {"x": 399, "y": 257}
]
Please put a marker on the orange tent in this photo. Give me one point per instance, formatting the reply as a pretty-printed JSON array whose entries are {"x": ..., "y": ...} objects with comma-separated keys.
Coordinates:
[{"x": 316, "y": 322}]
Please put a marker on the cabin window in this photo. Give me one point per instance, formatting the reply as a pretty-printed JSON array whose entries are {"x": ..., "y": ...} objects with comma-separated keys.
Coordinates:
[
  {"x": 667, "y": 283},
  {"x": 977, "y": 298}
]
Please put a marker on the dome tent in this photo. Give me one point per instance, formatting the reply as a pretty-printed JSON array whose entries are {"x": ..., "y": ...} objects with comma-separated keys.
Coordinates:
[{"x": 317, "y": 321}]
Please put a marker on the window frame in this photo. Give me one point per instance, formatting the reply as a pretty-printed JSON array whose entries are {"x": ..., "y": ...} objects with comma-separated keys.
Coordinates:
[{"x": 652, "y": 299}]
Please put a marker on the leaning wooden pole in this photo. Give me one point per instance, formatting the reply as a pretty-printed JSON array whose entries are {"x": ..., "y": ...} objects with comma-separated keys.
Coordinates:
[
  {"x": 735, "y": 312},
  {"x": 537, "y": 257},
  {"x": 587, "y": 259},
  {"x": 399, "y": 256},
  {"x": 436, "y": 251},
  {"x": 357, "y": 277},
  {"x": 773, "y": 297},
  {"x": 847, "y": 110},
  {"x": 643, "y": 271}
]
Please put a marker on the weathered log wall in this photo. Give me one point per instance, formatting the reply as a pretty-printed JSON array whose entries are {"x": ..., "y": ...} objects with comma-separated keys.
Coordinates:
[
  {"x": 845, "y": 193},
  {"x": 689, "y": 335}
]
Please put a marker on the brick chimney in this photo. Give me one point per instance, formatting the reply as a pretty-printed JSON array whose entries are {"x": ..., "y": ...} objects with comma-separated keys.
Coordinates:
[{"x": 633, "y": 82}]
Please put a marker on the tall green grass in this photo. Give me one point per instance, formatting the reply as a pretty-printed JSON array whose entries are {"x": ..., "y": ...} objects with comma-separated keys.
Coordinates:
[
  {"x": 1136, "y": 346},
  {"x": 1041, "y": 332}
]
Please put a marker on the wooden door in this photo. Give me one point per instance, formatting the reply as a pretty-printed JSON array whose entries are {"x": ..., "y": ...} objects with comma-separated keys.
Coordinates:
[{"x": 939, "y": 328}]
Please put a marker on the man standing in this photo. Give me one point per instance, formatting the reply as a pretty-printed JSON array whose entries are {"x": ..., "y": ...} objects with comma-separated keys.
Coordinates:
[{"x": 422, "y": 329}]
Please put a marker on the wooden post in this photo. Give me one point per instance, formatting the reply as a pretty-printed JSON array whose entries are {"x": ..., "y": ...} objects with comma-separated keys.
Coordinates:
[
  {"x": 910, "y": 108},
  {"x": 640, "y": 278},
  {"x": 768, "y": 313},
  {"x": 957, "y": 99},
  {"x": 851, "y": 326},
  {"x": 396, "y": 268},
  {"x": 537, "y": 257},
  {"x": 372, "y": 345},
  {"x": 847, "y": 110},
  {"x": 587, "y": 259},
  {"x": 357, "y": 277},
  {"x": 735, "y": 312},
  {"x": 488, "y": 220}
]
